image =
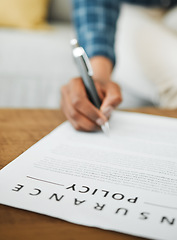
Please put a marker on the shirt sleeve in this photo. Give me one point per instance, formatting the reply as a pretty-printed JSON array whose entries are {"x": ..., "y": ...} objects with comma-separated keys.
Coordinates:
[{"x": 95, "y": 22}]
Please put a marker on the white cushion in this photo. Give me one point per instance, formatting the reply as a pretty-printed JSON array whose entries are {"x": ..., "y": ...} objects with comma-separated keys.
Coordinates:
[
  {"x": 147, "y": 54},
  {"x": 129, "y": 71}
]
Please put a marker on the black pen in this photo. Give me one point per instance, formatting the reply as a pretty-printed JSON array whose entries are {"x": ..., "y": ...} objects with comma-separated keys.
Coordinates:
[{"x": 86, "y": 73}]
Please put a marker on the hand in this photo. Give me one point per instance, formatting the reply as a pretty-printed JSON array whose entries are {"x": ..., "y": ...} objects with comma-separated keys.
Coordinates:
[{"x": 82, "y": 114}]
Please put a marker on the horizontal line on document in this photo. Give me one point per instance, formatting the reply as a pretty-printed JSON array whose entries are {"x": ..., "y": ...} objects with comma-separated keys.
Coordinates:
[
  {"x": 41, "y": 180},
  {"x": 162, "y": 206}
]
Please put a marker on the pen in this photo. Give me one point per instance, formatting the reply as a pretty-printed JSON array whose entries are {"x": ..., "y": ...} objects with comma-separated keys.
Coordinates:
[{"x": 86, "y": 72}]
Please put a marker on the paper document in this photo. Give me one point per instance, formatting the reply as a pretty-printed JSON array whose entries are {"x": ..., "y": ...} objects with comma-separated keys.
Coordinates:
[{"x": 125, "y": 182}]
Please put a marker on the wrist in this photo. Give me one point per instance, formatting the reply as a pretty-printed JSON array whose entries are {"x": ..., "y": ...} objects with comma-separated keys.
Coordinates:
[{"x": 102, "y": 68}]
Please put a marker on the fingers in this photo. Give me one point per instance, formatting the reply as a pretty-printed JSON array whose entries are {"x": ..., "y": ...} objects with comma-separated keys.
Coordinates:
[
  {"x": 82, "y": 114},
  {"x": 75, "y": 104},
  {"x": 82, "y": 104},
  {"x": 112, "y": 98},
  {"x": 78, "y": 121}
]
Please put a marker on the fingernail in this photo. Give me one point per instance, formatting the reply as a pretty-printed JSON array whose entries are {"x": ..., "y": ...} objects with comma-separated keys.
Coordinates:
[
  {"x": 100, "y": 121},
  {"x": 107, "y": 111}
]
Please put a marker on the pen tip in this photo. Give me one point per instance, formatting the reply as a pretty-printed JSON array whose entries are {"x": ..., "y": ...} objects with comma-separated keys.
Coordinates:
[{"x": 105, "y": 128}]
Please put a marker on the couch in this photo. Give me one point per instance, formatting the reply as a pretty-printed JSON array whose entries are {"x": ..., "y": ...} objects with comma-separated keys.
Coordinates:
[{"x": 35, "y": 64}]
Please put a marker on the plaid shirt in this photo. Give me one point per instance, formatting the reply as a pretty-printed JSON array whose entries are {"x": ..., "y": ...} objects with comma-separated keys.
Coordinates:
[{"x": 95, "y": 22}]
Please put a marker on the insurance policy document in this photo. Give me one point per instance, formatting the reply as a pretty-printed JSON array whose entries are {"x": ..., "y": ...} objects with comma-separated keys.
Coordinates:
[{"x": 126, "y": 182}]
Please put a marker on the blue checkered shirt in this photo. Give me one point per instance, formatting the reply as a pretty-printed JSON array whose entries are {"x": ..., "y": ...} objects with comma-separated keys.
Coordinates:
[{"x": 95, "y": 22}]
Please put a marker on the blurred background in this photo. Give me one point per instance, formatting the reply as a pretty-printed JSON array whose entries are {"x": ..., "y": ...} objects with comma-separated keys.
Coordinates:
[
  {"x": 36, "y": 59},
  {"x": 35, "y": 52}
]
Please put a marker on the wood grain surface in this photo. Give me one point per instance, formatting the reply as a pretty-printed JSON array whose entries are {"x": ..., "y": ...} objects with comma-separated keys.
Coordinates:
[{"x": 20, "y": 129}]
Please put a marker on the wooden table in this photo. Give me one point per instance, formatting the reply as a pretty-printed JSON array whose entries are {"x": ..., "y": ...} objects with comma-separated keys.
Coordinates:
[{"x": 19, "y": 129}]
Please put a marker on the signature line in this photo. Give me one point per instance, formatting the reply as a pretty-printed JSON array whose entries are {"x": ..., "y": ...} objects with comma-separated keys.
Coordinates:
[
  {"x": 157, "y": 205},
  {"x": 41, "y": 180}
]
